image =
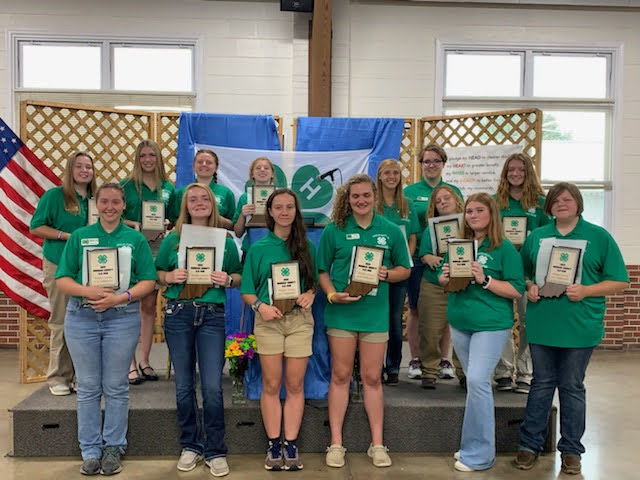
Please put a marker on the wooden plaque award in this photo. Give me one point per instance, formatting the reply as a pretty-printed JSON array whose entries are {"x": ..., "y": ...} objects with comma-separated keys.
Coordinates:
[
  {"x": 561, "y": 272},
  {"x": 285, "y": 279},
  {"x": 259, "y": 196},
  {"x": 103, "y": 268},
  {"x": 515, "y": 229},
  {"x": 364, "y": 270},
  {"x": 200, "y": 263},
  {"x": 153, "y": 215},
  {"x": 461, "y": 256}
]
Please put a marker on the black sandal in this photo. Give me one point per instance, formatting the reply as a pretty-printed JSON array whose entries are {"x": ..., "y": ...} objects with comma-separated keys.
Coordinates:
[
  {"x": 152, "y": 377},
  {"x": 137, "y": 380}
]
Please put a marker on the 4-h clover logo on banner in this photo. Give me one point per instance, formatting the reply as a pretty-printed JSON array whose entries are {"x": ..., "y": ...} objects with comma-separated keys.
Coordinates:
[
  {"x": 102, "y": 259},
  {"x": 285, "y": 272},
  {"x": 460, "y": 250},
  {"x": 564, "y": 257},
  {"x": 200, "y": 257},
  {"x": 368, "y": 256},
  {"x": 447, "y": 229}
]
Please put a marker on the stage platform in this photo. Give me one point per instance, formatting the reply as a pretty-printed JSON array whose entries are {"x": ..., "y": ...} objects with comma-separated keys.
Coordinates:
[{"x": 416, "y": 420}]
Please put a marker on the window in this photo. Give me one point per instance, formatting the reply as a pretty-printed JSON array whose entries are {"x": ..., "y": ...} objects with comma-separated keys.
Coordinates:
[
  {"x": 104, "y": 64},
  {"x": 574, "y": 90}
]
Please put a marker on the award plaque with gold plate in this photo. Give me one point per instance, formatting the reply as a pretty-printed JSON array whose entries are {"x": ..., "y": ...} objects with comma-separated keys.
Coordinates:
[
  {"x": 561, "y": 272},
  {"x": 259, "y": 194},
  {"x": 462, "y": 254},
  {"x": 515, "y": 229},
  {"x": 103, "y": 268},
  {"x": 200, "y": 263},
  {"x": 364, "y": 270},
  {"x": 286, "y": 285},
  {"x": 153, "y": 215}
]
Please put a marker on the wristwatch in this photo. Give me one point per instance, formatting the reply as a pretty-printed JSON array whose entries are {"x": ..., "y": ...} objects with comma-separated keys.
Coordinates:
[
  {"x": 230, "y": 282},
  {"x": 255, "y": 306}
]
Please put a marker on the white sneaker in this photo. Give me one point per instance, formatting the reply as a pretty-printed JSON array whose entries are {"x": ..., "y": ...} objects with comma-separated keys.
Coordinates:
[
  {"x": 457, "y": 455},
  {"x": 218, "y": 466},
  {"x": 335, "y": 456},
  {"x": 379, "y": 455},
  {"x": 60, "y": 390},
  {"x": 188, "y": 460},
  {"x": 461, "y": 467},
  {"x": 414, "y": 369},
  {"x": 446, "y": 369}
]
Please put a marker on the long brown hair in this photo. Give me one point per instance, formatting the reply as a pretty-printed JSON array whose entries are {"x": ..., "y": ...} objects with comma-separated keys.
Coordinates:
[
  {"x": 531, "y": 189},
  {"x": 136, "y": 174},
  {"x": 399, "y": 200},
  {"x": 431, "y": 209},
  {"x": 71, "y": 203},
  {"x": 185, "y": 216},
  {"x": 341, "y": 206},
  {"x": 297, "y": 240},
  {"x": 494, "y": 229}
]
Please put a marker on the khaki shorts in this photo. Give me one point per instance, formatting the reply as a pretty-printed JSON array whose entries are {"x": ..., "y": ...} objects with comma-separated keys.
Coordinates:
[
  {"x": 370, "y": 337},
  {"x": 290, "y": 335}
]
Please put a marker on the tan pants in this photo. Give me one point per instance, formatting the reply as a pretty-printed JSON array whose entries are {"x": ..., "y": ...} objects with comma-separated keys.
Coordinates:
[
  {"x": 60, "y": 364},
  {"x": 432, "y": 322}
]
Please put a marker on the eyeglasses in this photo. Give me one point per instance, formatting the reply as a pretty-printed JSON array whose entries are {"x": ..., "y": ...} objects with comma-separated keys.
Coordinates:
[{"x": 431, "y": 162}]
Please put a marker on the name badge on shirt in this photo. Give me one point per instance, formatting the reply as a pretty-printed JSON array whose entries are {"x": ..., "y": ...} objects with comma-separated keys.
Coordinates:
[
  {"x": 353, "y": 236},
  {"x": 88, "y": 242},
  {"x": 422, "y": 199}
]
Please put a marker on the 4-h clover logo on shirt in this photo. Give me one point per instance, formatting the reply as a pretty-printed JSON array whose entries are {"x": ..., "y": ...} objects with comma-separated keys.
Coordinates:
[
  {"x": 102, "y": 259},
  {"x": 200, "y": 257},
  {"x": 564, "y": 257},
  {"x": 447, "y": 229},
  {"x": 460, "y": 250},
  {"x": 368, "y": 256},
  {"x": 153, "y": 208},
  {"x": 285, "y": 272},
  {"x": 482, "y": 259},
  {"x": 514, "y": 223},
  {"x": 381, "y": 240}
]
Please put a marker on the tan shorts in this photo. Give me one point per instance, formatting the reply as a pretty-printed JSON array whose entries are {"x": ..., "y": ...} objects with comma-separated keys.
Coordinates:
[
  {"x": 370, "y": 337},
  {"x": 291, "y": 334}
]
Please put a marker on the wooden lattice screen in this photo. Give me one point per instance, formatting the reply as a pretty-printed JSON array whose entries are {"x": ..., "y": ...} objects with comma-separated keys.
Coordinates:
[{"x": 507, "y": 127}]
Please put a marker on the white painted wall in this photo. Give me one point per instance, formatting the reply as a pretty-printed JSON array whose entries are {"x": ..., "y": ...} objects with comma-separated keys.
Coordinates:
[{"x": 254, "y": 57}]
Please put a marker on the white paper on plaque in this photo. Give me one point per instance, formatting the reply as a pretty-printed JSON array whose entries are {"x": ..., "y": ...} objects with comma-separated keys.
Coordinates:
[
  {"x": 124, "y": 267},
  {"x": 544, "y": 255},
  {"x": 432, "y": 229},
  {"x": 198, "y": 236}
]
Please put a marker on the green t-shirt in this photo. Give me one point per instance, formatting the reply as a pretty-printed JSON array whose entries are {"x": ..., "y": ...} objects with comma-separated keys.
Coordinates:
[
  {"x": 167, "y": 261},
  {"x": 420, "y": 192},
  {"x": 370, "y": 313},
  {"x": 257, "y": 265},
  {"x": 535, "y": 216},
  {"x": 426, "y": 248},
  {"x": 410, "y": 224},
  {"x": 475, "y": 309},
  {"x": 50, "y": 212},
  {"x": 242, "y": 201},
  {"x": 225, "y": 201},
  {"x": 559, "y": 322},
  {"x": 133, "y": 210},
  {"x": 123, "y": 237}
]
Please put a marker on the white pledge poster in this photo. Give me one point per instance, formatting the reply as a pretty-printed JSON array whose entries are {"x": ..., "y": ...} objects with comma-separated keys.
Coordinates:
[{"x": 477, "y": 169}]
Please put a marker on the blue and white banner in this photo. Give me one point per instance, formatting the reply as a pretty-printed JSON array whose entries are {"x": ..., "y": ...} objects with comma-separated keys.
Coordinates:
[{"x": 302, "y": 172}]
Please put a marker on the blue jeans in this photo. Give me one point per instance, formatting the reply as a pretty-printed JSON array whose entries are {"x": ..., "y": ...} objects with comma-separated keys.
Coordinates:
[
  {"x": 413, "y": 287},
  {"x": 397, "y": 295},
  {"x": 101, "y": 346},
  {"x": 564, "y": 369},
  {"x": 479, "y": 353},
  {"x": 195, "y": 332}
]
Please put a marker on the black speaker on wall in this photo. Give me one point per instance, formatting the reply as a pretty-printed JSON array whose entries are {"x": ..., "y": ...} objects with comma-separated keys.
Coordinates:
[{"x": 296, "y": 6}]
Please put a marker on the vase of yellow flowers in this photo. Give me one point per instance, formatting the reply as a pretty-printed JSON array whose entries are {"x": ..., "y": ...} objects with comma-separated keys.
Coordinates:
[{"x": 239, "y": 349}]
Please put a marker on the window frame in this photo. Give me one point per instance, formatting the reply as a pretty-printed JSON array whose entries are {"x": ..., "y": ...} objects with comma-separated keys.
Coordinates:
[{"x": 609, "y": 104}]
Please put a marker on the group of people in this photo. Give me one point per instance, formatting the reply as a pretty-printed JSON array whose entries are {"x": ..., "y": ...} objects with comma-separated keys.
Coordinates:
[{"x": 95, "y": 330}]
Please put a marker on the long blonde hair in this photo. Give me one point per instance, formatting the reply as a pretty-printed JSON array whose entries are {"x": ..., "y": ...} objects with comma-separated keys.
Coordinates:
[
  {"x": 136, "y": 174},
  {"x": 341, "y": 206},
  {"x": 398, "y": 197},
  {"x": 531, "y": 189},
  {"x": 71, "y": 203},
  {"x": 494, "y": 229},
  {"x": 431, "y": 209},
  {"x": 185, "y": 217}
]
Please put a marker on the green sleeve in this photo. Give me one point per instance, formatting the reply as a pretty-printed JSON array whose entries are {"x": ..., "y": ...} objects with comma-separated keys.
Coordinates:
[
  {"x": 512, "y": 271},
  {"x": 145, "y": 269},
  {"x": 242, "y": 201},
  {"x": 326, "y": 249},
  {"x": 230, "y": 204},
  {"x": 69, "y": 266},
  {"x": 131, "y": 196},
  {"x": 399, "y": 252},
  {"x": 425, "y": 244},
  {"x": 42, "y": 215},
  {"x": 248, "y": 287},
  {"x": 414, "y": 223},
  {"x": 166, "y": 252},
  {"x": 231, "y": 262},
  {"x": 525, "y": 255},
  {"x": 613, "y": 267}
]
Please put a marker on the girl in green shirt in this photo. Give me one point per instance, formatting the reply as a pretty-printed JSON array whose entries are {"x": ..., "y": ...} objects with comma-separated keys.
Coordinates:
[
  {"x": 61, "y": 211},
  {"x": 148, "y": 181},
  {"x": 481, "y": 317},
  {"x": 282, "y": 335}
]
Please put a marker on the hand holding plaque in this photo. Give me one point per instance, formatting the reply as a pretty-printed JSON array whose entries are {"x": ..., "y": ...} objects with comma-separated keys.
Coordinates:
[
  {"x": 364, "y": 272},
  {"x": 259, "y": 195},
  {"x": 200, "y": 263},
  {"x": 285, "y": 281},
  {"x": 102, "y": 268},
  {"x": 561, "y": 272},
  {"x": 461, "y": 255},
  {"x": 515, "y": 229}
]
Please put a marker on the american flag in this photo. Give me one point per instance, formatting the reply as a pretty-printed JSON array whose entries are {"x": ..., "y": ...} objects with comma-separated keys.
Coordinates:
[{"x": 23, "y": 180}]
